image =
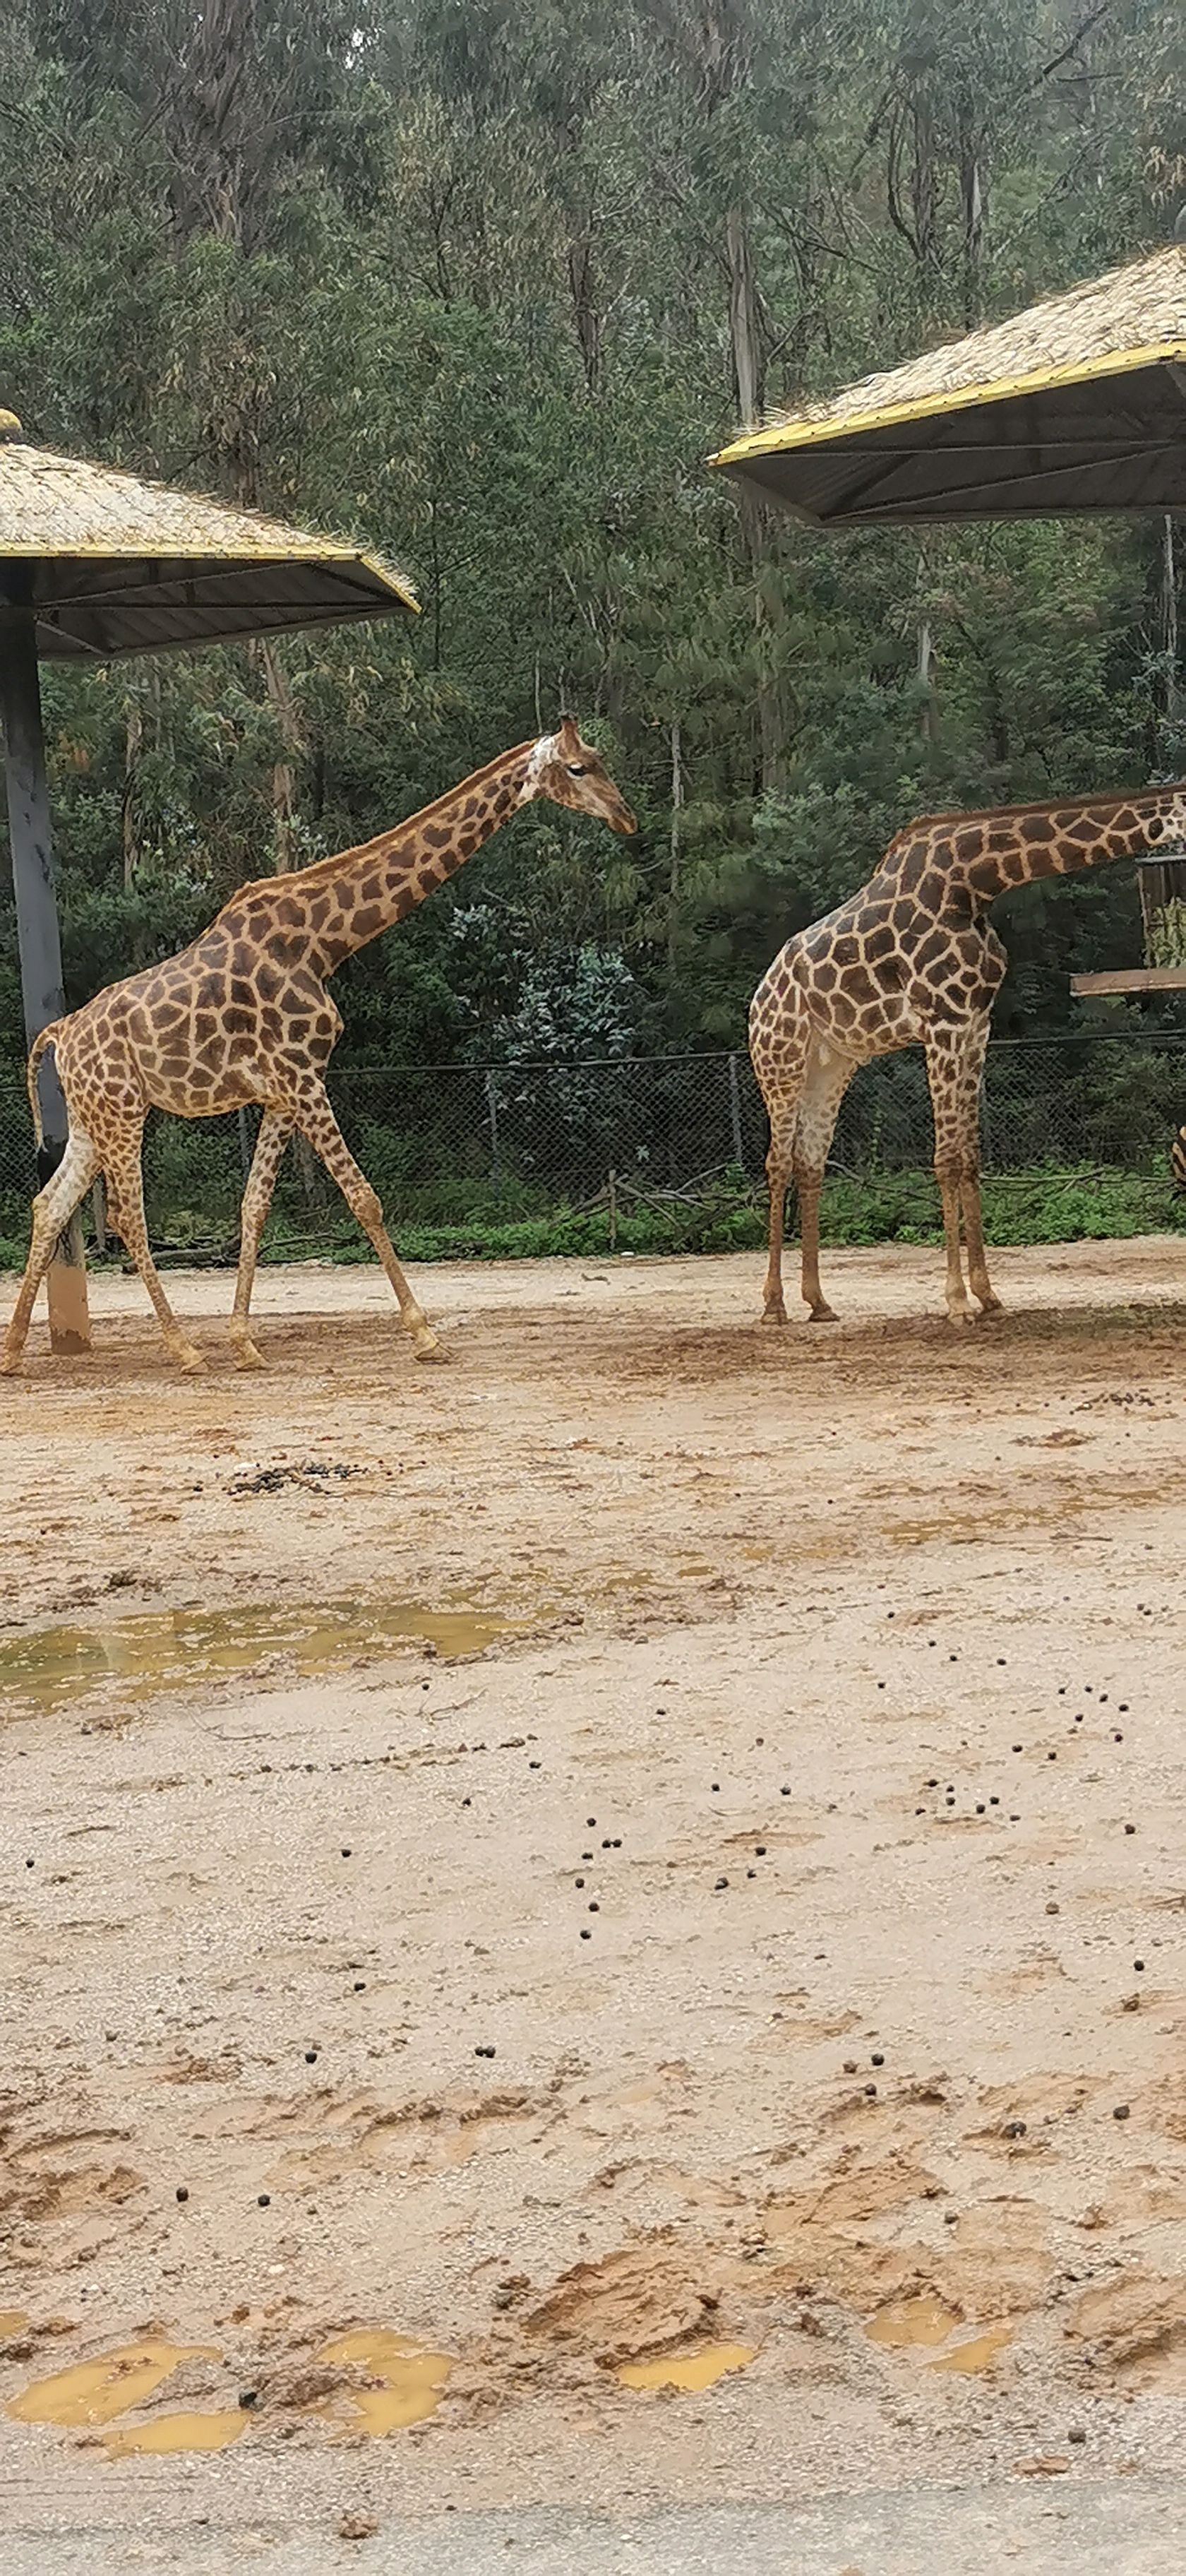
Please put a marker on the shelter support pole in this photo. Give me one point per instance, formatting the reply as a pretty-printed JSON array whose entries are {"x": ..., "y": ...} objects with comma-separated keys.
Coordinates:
[{"x": 38, "y": 934}]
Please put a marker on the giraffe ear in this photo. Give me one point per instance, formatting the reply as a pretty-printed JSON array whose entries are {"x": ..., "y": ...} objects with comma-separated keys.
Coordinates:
[{"x": 568, "y": 736}]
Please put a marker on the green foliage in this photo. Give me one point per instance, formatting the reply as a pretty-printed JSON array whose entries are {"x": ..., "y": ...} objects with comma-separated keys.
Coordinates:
[
  {"x": 483, "y": 281},
  {"x": 1044, "y": 1207}
]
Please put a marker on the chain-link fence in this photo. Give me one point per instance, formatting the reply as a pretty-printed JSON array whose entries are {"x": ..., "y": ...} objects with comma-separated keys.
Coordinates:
[{"x": 456, "y": 1148}]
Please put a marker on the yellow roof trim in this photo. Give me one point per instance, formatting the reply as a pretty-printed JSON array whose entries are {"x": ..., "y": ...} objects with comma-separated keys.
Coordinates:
[
  {"x": 801, "y": 433},
  {"x": 391, "y": 581}
]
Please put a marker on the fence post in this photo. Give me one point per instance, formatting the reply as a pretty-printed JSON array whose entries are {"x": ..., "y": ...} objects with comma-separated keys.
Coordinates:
[
  {"x": 492, "y": 1115},
  {"x": 735, "y": 1114}
]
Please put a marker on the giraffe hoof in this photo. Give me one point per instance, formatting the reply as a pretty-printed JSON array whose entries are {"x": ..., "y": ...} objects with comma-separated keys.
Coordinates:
[
  {"x": 959, "y": 1315},
  {"x": 774, "y": 1314},
  {"x": 188, "y": 1359},
  {"x": 822, "y": 1315},
  {"x": 10, "y": 1363},
  {"x": 991, "y": 1306},
  {"x": 247, "y": 1356},
  {"x": 433, "y": 1351}
]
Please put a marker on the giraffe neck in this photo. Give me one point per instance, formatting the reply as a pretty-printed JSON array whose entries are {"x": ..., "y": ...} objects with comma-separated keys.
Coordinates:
[
  {"x": 991, "y": 852},
  {"x": 345, "y": 901}
]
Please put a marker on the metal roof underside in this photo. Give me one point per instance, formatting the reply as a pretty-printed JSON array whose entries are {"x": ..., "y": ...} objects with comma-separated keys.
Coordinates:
[
  {"x": 1077, "y": 405},
  {"x": 111, "y": 564}
]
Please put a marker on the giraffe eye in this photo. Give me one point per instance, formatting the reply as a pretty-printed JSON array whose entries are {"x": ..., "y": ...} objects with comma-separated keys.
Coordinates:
[{"x": 576, "y": 768}]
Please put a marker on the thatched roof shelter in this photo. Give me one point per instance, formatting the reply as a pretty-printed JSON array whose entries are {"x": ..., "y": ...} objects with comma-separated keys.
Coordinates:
[
  {"x": 1077, "y": 404},
  {"x": 117, "y": 565},
  {"x": 95, "y": 563}
]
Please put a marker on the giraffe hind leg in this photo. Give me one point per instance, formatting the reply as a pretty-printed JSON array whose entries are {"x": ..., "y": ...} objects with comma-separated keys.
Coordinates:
[
  {"x": 53, "y": 1208},
  {"x": 778, "y": 1174},
  {"x": 827, "y": 1079},
  {"x": 780, "y": 1080},
  {"x": 122, "y": 1165},
  {"x": 970, "y": 1209},
  {"x": 950, "y": 1059}
]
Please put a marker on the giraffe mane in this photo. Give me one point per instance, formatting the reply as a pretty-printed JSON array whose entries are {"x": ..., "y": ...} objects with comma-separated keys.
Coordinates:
[
  {"x": 1113, "y": 802},
  {"x": 336, "y": 859}
]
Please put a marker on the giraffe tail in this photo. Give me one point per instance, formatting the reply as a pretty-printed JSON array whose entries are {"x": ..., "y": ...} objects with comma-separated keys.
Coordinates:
[
  {"x": 43, "y": 1039},
  {"x": 1178, "y": 1159}
]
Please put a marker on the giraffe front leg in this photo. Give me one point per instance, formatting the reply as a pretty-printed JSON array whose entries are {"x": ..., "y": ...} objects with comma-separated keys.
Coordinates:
[
  {"x": 275, "y": 1130},
  {"x": 959, "y": 1306},
  {"x": 778, "y": 1173},
  {"x": 53, "y": 1208},
  {"x": 826, "y": 1079},
  {"x": 780, "y": 1083},
  {"x": 946, "y": 1049},
  {"x": 316, "y": 1120},
  {"x": 978, "y": 1278}
]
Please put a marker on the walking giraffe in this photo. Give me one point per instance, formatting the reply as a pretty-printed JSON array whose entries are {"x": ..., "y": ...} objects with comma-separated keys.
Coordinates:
[
  {"x": 243, "y": 1015},
  {"x": 908, "y": 961}
]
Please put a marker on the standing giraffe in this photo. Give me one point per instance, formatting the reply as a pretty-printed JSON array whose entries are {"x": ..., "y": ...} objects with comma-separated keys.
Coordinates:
[
  {"x": 244, "y": 1015},
  {"x": 911, "y": 960}
]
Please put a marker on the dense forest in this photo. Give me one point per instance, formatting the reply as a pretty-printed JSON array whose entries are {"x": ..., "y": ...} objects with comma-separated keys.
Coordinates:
[{"x": 484, "y": 282}]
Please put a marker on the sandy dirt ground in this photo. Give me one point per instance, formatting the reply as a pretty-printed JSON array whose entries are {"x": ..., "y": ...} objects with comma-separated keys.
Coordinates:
[{"x": 772, "y": 1938}]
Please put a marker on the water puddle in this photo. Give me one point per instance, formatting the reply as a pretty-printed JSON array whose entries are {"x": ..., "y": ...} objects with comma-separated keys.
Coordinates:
[
  {"x": 926, "y": 2322},
  {"x": 902, "y": 2322},
  {"x": 699, "y": 2369},
  {"x": 212, "y": 2432},
  {"x": 94, "y": 2392},
  {"x": 980, "y": 2354},
  {"x": 408, "y": 2380},
  {"x": 169, "y": 1650}
]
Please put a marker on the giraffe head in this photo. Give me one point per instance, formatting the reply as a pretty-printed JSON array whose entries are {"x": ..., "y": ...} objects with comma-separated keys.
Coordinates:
[
  {"x": 1170, "y": 823},
  {"x": 573, "y": 773}
]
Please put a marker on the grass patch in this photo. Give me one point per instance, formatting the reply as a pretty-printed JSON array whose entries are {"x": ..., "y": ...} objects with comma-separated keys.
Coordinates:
[{"x": 1041, "y": 1206}]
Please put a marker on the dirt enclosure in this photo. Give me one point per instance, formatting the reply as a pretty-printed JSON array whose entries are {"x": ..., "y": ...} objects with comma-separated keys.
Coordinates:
[{"x": 761, "y": 1956}]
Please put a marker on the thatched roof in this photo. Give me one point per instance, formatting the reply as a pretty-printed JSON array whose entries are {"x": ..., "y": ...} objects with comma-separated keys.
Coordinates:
[
  {"x": 1079, "y": 403},
  {"x": 116, "y": 565}
]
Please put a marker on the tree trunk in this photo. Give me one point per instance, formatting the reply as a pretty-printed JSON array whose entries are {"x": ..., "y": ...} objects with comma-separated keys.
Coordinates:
[
  {"x": 1169, "y": 621},
  {"x": 135, "y": 737},
  {"x": 745, "y": 341},
  {"x": 972, "y": 204},
  {"x": 677, "y": 807},
  {"x": 582, "y": 281},
  {"x": 283, "y": 706},
  {"x": 745, "y": 334},
  {"x": 224, "y": 125},
  {"x": 926, "y": 666}
]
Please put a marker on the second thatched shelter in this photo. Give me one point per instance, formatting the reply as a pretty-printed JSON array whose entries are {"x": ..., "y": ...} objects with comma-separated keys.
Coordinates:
[{"x": 1077, "y": 404}]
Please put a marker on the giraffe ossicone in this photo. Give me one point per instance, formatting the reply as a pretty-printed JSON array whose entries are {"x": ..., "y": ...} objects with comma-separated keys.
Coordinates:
[
  {"x": 244, "y": 1017},
  {"x": 911, "y": 960}
]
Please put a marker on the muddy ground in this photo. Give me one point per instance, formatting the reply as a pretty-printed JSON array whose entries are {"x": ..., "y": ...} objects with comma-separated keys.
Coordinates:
[{"x": 840, "y": 1706}]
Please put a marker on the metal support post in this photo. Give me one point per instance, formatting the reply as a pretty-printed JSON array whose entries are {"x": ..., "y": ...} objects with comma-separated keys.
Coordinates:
[
  {"x": 735, "y": 1114},
  {"x": 492, "y": 1115},
  {"x": 38, "y": 935}
]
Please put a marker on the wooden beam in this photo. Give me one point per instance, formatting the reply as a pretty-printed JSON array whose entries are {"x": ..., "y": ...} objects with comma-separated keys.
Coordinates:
[{"x": 1133, "y": 979}]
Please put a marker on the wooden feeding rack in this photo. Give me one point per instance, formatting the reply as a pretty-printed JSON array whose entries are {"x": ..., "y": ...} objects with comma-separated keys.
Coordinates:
[{"x": 1162, "y": 883}]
